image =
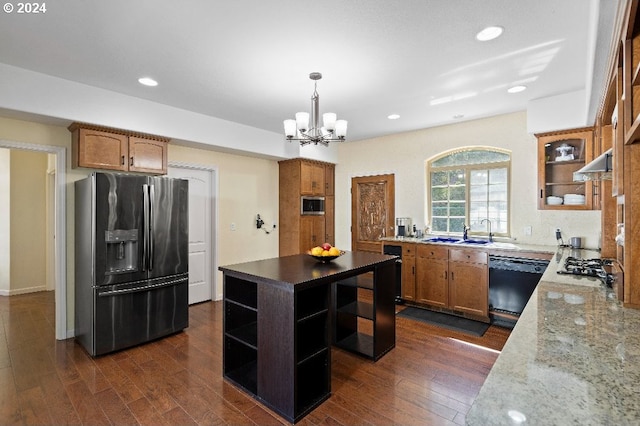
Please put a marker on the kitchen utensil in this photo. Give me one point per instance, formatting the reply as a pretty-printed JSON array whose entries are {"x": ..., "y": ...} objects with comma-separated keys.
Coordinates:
[
  {"x": 565, "y": 152},
  {"x": 575, "y": 242},
  {"x": 554, "y": 201}
]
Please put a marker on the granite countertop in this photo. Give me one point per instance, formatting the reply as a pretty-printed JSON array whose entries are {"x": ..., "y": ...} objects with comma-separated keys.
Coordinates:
[
  {"x": 572, "y": 358},
  {"x": 496, "y": 245}
]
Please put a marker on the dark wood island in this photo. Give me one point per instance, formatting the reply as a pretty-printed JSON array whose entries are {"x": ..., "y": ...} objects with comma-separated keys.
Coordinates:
[{"x": 281, "y": 316}]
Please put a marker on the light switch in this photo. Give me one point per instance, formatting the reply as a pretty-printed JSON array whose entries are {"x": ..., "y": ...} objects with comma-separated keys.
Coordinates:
[
  {"x": 527, "y": 230},
  {"x": 233, "y": 226}
]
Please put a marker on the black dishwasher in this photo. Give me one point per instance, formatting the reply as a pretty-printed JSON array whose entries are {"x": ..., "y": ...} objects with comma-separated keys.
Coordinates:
[
  {"x": 512, "y": 280},
  {"x": 396, "y": 251}
]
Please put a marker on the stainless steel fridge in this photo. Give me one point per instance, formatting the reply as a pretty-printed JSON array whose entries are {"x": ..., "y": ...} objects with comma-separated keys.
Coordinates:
[{"x": 131, "y": 260}]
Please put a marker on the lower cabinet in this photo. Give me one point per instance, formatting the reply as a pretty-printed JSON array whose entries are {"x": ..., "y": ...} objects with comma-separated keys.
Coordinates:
[
  {"x": 409, "y": 272},
  {"x": 453, "y": 279}
]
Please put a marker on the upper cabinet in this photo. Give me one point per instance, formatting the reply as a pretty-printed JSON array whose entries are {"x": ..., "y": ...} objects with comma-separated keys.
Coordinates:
[
  {"x": 112, "y": 149},
  {"x": 560, "y": 154}
]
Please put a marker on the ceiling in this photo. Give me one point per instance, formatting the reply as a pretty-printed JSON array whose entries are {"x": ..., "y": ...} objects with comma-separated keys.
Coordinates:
[{"x": 248, "y": 61}]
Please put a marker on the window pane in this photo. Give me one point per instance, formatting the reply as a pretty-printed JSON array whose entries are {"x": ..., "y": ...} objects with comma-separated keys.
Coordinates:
[
  {"x": 457, "y": 193},
  {"x": 479, "y": 177},
  {"x": 457, "y": 224},
  {"x": 439, "y": 178},
  {"x": 439, "y": 194},
  {"x": 470, "y": 156},
  {"x": 498, "y": 176},
  {"x": 440, "y": 209},
  {"x": 456, "y": 177},
  {"x": 457, "y": 209},
  {"x": 439, "y": 224}
]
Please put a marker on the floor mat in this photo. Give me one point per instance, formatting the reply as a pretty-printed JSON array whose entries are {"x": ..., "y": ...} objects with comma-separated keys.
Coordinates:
[{"x": 451, "y": 322}]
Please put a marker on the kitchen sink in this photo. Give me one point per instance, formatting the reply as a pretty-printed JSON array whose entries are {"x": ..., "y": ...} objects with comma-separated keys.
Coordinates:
[
  {"x": 471, "y": 241},
  {"x": 442, "y": 240}
]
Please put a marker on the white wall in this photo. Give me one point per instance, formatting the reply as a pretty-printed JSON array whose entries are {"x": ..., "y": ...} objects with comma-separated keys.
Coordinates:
[
  {"x": 566, "y": 111},
  {"x": 404, "y": 155},
  {"x": 5, "y": 219}
]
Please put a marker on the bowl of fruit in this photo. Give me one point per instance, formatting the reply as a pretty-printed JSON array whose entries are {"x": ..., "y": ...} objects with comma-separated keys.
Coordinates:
[{"x": 325, "y": 253}]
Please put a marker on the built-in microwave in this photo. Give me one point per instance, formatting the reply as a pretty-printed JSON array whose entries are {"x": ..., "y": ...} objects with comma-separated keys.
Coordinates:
[{"x": 311, "y": 205}]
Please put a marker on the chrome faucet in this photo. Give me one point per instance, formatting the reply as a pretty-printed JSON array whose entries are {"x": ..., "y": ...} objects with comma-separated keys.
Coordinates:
[
  {"x": 465, "y": 231},
  {"x": 490, "y": 234}
]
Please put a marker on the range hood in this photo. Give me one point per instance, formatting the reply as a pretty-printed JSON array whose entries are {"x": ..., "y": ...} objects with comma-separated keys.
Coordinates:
[{"x": 598, "y": 169}]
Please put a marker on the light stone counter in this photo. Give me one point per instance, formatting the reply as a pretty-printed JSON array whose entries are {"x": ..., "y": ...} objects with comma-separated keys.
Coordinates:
[
  {"x": 573, "y": 358},
  {"x": 514, "y": 247}
]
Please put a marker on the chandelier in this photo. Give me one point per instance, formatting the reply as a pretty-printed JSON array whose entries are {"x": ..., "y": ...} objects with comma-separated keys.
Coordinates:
[{"x": 299, "y": 130}]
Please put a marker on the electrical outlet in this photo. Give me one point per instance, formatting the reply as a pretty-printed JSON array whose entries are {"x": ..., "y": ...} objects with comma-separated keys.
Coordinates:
[
  {"x": 527, "y": 230},
  {"x": 233, "y": 226}
]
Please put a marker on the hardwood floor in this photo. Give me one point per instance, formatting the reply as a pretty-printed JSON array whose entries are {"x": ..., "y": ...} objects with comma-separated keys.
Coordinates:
[{"x": 431, "y": 377}]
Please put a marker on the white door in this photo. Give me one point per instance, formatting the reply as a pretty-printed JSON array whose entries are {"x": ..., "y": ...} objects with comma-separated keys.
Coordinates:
[{"x": 200, "y": 235}]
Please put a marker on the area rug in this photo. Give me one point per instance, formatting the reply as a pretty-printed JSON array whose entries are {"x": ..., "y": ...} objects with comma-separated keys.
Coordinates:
[{"x": 451, "y": 322}]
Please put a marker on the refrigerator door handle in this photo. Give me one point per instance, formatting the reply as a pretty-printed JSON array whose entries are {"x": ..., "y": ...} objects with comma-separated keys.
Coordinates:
[
  {"x": 145, "y": 226},
  {"x": 152, "y": 200}
]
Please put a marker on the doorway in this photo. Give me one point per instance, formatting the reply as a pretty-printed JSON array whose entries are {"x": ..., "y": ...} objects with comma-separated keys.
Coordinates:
[
  {"x": 202, "y": 214},
  {"x": 372, "y": 211},
  {"x": 59, "y": 230}
]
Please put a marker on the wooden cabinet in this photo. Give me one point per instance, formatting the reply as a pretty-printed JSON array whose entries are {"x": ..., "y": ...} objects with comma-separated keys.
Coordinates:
[
  {"x": 560, "y": 154},
  {"x": 432, "y": 275},
  {"x": 408, "y": 272},
  {"x": 329, "y": 179},
  {"x": 453, "y": 279},
  {"x": 469, "y": 282},
  {"x": 112, "y": 149},
  {"x": 299, "y": 233},
  {"x": 312, "y": 180},
  {"x": 312, "y": 232}
]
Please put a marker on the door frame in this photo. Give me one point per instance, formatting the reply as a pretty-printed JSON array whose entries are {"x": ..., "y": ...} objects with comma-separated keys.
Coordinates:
[
  {"x": 60, "y": 229},
  {"x": 216, "y": 290}
]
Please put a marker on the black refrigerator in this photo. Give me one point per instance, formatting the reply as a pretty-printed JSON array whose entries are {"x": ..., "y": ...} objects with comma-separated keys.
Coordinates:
[{"x": 131, "y": 260}]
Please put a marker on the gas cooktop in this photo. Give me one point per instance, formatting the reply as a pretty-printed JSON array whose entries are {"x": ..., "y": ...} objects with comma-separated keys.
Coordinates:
[{"x": 588, "y": 268}]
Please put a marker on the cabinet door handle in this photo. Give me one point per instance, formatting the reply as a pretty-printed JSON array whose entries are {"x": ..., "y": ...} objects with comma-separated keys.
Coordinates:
[
  {"x": 541, "y": 194},
  {"x": 131, "y": 161},
  {"x": 122, "y": 161},
  {"x": 413, "y": 270},
  {"x": 451, "y": 276},
  {"x": 445, "y": 275}
]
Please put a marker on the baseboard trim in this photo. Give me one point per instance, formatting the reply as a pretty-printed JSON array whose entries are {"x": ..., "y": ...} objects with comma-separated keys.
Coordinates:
[{"x": 13, "y": 292}]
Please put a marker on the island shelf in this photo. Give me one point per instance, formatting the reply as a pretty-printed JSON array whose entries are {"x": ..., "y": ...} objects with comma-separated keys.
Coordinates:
[{"x": 281, "y": 316}]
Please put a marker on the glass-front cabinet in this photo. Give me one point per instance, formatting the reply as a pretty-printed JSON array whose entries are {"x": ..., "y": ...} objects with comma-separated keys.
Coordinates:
[{"x": 560, "y": 154}]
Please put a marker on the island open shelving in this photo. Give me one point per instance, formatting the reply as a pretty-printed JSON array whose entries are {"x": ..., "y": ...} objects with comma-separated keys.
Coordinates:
[{"x": 278, "y": 322}]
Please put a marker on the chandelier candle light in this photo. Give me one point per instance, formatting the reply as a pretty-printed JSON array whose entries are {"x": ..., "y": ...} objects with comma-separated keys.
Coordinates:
[{"x": 332, "y": 131}]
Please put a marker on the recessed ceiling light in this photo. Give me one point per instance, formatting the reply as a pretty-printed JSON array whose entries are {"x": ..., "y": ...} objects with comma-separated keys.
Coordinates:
[
  {"x": 516, "y": 89},
  {"x": 489, "y": 33},
  {"x": 147, "y": 81},
  {"x": 393, "y": 117}
]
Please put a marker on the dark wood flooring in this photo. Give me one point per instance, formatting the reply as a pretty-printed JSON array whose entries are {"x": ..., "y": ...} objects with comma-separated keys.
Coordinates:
[{"x": 431, "y": 377}]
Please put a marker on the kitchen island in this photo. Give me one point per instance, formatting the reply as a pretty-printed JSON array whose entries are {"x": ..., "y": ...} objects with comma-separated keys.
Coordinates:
[
  {"x": 572, "y": 358},
  {"x": 281, "y": 316}
]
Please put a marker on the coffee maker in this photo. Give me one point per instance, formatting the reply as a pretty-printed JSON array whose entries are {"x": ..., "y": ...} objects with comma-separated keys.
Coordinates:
[{"x": 403, "y": 227}]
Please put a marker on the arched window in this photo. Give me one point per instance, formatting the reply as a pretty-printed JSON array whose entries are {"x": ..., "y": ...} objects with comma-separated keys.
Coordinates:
[{"x": 467, "y": 186}]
